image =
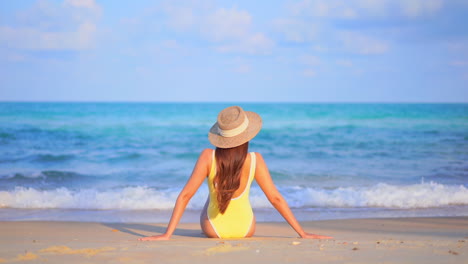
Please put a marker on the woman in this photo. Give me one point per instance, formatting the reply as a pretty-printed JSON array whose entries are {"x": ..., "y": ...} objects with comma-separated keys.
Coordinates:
[{"x": 230, "y": 171}]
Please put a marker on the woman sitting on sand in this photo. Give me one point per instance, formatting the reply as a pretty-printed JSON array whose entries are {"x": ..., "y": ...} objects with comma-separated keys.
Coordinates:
[{"x": 230, "y": 170}]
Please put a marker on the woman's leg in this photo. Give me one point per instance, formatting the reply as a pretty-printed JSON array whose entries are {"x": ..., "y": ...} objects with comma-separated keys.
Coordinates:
[
  {"x": 252, "y": 228},
  {"x": 205, "y": 222}
]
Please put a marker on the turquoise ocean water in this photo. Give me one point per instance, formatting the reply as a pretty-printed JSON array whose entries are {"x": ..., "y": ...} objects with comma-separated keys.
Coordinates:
[{"x": 128, "y": 161}]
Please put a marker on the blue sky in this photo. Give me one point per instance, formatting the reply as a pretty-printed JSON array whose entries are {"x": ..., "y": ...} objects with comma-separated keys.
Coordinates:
[{"x": 218, "y": 51}]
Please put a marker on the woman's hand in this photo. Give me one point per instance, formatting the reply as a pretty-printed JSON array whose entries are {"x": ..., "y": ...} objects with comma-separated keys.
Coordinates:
[
  {"x": 154, "y": 238},
  {"x": 314, "y": 236}
]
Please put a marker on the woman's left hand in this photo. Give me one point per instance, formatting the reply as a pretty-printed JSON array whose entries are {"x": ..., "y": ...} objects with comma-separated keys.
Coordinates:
[{"x": 154, "y": 238}]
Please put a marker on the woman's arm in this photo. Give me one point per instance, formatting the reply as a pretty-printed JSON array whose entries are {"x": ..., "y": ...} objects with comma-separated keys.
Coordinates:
[
  {"x": 263, "y": 178},
  {"x": 200, "y": 172}
]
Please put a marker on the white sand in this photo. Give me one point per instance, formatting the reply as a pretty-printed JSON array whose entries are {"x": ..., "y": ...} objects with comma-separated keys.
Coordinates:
[{"x": 399, "y": 240}]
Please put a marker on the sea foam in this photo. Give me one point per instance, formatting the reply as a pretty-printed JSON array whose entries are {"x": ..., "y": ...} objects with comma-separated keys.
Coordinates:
[{"x": 424, "y": 195}]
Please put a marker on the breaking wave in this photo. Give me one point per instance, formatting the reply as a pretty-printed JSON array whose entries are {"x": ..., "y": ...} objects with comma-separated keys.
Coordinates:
[{"x": 424, "y": 195}]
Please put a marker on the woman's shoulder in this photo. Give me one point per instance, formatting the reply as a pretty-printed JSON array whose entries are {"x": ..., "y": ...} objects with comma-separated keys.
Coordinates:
[
  {"x": 207, "y": 153},
  {"x": 258, "y": 157},
  {"x": 205, "y": 158},
  {"x": 256, "y": 153}
]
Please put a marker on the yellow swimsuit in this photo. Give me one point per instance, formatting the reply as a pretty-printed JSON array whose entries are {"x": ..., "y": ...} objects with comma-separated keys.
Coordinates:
[{"x": 237, "y": 219}]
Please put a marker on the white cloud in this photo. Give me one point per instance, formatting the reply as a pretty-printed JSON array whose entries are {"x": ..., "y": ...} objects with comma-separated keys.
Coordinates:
[
  {"x": 315, "y": 8},
  {"x": 254, "y": 44},
  {"x": 180, "y": 17},
  {"x": 14, "y": 57},
  {"x": 242, "y": 68},
  {"x": 349, "y": 12},
  {"x": 345, "y": 63},
  {"x": 351, "y": 9},
  {"x": 320, "y": 48},
  {"x": 170, "y": 44},
  {"x": 413, "y": 8},
  {"x": 226, "y": 24},
  {"x": 374, "y": 7},
  {"x": 459, "y": 63},
  {"x": 324, "y": 8},
  {"x": 34, "y": 39},
  {"x": 465, "y": 76},
  {"x": 229, "y": 29},
  {"x": 309, "y": 73},
  {"x": 90, "y": 4},
  {"x": 164, "y": 51},
  {"x": 295, "y": 30},
  {"x": 144, "y": 71},
  {"x": 358, "y": 72},
  {"x": 458, "y": 47},
  {"x": 70, "y": 26},
  {"x": 311, "y": 21},
  {"x": 81, "y": 10},
  {"x": 240, "y": 65},
  {"x": 362, "y": 44},
  {"x": 309, "y": 60}
]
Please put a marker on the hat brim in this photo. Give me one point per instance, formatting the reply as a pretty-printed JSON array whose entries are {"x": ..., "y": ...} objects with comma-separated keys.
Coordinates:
[{"x": 255, "y": 124}]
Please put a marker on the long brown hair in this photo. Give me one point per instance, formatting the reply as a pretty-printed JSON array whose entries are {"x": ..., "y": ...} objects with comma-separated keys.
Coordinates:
[{"x": 229, "y": 162}]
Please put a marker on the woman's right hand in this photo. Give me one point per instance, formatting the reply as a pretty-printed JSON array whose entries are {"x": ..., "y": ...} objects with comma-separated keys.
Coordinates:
[
  {"x": 153, "y": 238},
  {"x": 314, "y": 236}
]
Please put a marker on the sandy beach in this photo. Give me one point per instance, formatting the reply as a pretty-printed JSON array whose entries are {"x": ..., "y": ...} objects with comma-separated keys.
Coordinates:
[{"x": 397, "y": 240}]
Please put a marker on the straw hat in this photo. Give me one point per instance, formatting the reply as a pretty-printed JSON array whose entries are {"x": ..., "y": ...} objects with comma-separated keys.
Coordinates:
[{"x": 234, "y": 127}]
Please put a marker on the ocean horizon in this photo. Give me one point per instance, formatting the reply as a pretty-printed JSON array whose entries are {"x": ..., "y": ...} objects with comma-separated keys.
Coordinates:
[{"x": 127, "y": 161}]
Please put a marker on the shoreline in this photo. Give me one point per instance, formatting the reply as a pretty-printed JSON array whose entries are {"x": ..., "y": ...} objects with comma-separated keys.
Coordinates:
[
  {"x": 371, "y": 240},
  {"x": 193, "y": 215}
]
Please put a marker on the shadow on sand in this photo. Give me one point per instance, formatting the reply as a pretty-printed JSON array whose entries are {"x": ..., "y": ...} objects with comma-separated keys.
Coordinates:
[{"x": 148, "y": 229}]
